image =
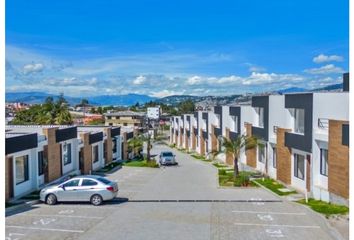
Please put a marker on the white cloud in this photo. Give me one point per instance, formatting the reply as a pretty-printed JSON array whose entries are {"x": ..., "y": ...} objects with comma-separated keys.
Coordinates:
[
  {"x": 257, "y": 69},
  {"x": 194, "y": 80},
  {"x": 139, "y": 80},
  {"x": 327, "y": 69},
  {"x": 33, "y": 68},
  {"x": 324, "y": 58},
  {"x": 269, "y": 78},
  {"x": 165, "y": 93}
]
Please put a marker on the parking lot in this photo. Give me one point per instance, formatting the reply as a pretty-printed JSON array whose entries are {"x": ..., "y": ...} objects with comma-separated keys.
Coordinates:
[{"x": 181, "y": 202}]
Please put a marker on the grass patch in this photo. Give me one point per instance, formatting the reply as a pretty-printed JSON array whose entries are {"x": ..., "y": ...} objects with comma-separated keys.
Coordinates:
[
  {"x": 110, "y": 166},
  {"x": 273, "y": 185},
  {"x": 325, "y": 208},
  {"x": 226, "y": 178},
  {"x": 200, "y": 157},
  {"x": 141, "y": 163},
  {"x": 32, "y": 196},
  {"x": 7, "y": 205},
  {"x": 220, "y": 165}
]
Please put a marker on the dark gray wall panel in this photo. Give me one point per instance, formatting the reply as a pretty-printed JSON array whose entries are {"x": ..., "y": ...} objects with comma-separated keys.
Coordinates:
[
  {"x": 346, "y": 82},
  {"x": 263, "y": 102},
  {"x": 302, "y": 101},
  {"x": 65, "y": 134},
  {"x": 21, "y": 143},
  {"x": 345, "y": 134},
  {"x": 95, "y": 137},
  {"x": 115, "y": 131}
]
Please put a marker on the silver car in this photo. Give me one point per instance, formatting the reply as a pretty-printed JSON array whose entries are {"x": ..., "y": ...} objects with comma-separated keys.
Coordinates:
[
  {"x": 86, "y": 188},
  {"x": 167, "y": 158}
]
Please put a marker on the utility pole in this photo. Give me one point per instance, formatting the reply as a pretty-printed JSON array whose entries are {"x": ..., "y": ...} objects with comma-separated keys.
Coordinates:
[{"x": 148, "y": 140}]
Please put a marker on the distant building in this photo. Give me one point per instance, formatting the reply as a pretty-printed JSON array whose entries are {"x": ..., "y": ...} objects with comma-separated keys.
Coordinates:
[
  {"x": 154, "y": 112},
  {"x": 125, "y": 118}
]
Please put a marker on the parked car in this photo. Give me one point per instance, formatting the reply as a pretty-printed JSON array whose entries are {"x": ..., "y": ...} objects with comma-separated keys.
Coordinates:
[
  {"x": 167, "y": 158},
  {"x": 86, "y": 188}
]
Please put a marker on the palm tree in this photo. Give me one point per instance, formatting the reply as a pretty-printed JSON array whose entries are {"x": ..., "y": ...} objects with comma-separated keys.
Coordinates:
[
  {"x": 136, "y": 144},
  {"x": 236, "y": 146}
]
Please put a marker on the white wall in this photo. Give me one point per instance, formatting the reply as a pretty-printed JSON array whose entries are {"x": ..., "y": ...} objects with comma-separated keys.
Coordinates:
[
  {"x": 31, "y": 184},
  {"x": 248, "y": 115},
  {"x": 74, "y": 165},
  {"x": 279, "y": 116},
  {"x": 100, "y": 163},
  {"x": 296, "y": 182}
]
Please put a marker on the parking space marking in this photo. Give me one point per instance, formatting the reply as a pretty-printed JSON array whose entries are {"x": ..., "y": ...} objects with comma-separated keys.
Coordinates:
[
  {"x": 69, "y": 216},
  {"x": 275, "y": 213},
  {"x": 275, "y": 225},
  {"x": 14, "y": 236},
  {"x": 46, "y": 229}
]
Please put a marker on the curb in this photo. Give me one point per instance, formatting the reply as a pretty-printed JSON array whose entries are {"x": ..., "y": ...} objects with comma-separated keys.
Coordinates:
[{"x": 21, "y": 206}]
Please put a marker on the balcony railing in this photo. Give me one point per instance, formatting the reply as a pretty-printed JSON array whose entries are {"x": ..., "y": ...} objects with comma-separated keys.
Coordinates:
[
  {"x": 275, "y": 129},
  {"x": 323, "y": 123}
]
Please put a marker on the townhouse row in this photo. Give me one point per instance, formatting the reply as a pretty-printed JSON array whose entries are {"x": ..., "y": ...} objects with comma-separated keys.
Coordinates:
[
  {"x": 38, "y": 155},
  {"x": 305, "y": 139}
]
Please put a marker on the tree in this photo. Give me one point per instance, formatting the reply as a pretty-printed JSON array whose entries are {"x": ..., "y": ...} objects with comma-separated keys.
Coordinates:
[
  {"x": 135, "y": 144},
  {"x": 234, "y": 147},
  {"x": 186, "y": 107}
]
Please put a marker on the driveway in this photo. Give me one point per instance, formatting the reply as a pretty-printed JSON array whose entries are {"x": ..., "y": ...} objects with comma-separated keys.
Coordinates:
[{"x": 176, "y": 202}]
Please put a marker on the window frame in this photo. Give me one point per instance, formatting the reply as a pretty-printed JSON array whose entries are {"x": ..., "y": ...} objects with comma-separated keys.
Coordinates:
[
  {"x": 26, "y": 169},
  {"x": 296, "y": 121},
  {"x": 40, "y": 161},
  {"x": 274, "y": 157},
  {"x": 296, "y": 166},
  {"x": 263, "y": 149},
  {"x": 234, "y": 119},
  {"x": 321, "y": 162},
  {"x": 93, "y": 155},
  {"x": 67, "y": 153}
]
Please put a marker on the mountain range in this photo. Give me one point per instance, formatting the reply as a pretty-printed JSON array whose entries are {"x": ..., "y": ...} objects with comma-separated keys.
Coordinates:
[{"x": 131, "y": 99}]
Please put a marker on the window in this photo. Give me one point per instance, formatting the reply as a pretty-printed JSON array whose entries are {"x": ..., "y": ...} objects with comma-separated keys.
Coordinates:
[
  {"x": 67, "y": 153},
  {"x": 72, "y": 183},
  {"x": 125, "y": 124},
  {"x": 88, "y": 182},
  {"x": 299, "y": 121},
  {"x": 218, "y": 120},
  {"x": 95, "y": 153},
  {"x": 104, "y": 180},
  {"x": 167, "y": 154},
  {"x": 274, "y": 157},
  {"x": 260, "y": 112},
  {"x": 299, "y": 166},
  {"x": 21, "y": 169},
  {"x": 114, "y": 145},
  {"x": 324, "y": 162},
  {"x": 261, "y": 154},
  {"x": 110, "y": 124},
  {"x": 40, "y": 163},
  {"x": 234, "y": 124}
]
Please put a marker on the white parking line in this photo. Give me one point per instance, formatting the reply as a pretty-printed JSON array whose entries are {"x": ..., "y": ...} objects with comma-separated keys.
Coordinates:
[
  {"x": 69, "y": 216},
  {"x": 46, "y": 229},
  {"x": 275, "y": 213},
  {"x": 275, "y": 225}
]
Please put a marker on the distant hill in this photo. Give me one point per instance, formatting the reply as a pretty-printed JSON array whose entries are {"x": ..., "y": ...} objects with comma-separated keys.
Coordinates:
[
  {"x": 332, "y": 87},
  {"x": 39, "y": 97},
  {"x": 175, "y": 99},
  {"x": 292, "y": 90}
]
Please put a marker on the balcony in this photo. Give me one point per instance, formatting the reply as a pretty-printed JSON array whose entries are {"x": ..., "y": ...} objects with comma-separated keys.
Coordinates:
[
  {"x": 298, "y": 141},
  {"x": 260, "y": 133}
]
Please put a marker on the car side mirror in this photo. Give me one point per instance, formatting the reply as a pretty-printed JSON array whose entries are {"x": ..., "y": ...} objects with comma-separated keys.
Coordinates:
[{"x": 62, "y": 186}]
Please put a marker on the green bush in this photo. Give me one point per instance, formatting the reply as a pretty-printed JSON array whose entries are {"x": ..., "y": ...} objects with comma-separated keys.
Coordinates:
[{"x": 324, "y": 207}]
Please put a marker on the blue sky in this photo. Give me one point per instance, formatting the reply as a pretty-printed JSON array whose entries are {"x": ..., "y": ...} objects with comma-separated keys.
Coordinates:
[{"x": 161, "y": 48}]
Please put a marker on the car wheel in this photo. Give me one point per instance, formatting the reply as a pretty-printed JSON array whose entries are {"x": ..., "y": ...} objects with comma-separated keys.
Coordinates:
[
  {"x": 96, "y": 200},
  {"x": 51, "y": 199}
]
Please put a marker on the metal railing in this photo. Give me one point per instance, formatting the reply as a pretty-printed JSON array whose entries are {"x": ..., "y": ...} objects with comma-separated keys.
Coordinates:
[
  {"x": 275, "y": 129},
  {"x": 323, "y": 123}
]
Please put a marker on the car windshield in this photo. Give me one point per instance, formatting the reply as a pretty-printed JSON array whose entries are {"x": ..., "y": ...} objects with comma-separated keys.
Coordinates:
[
  {"x": 167, "y": 154},
  {"x": 105, "y": 181}
]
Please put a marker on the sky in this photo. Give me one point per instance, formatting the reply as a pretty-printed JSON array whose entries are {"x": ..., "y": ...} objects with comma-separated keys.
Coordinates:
[{"x": 161, "y": 48}]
